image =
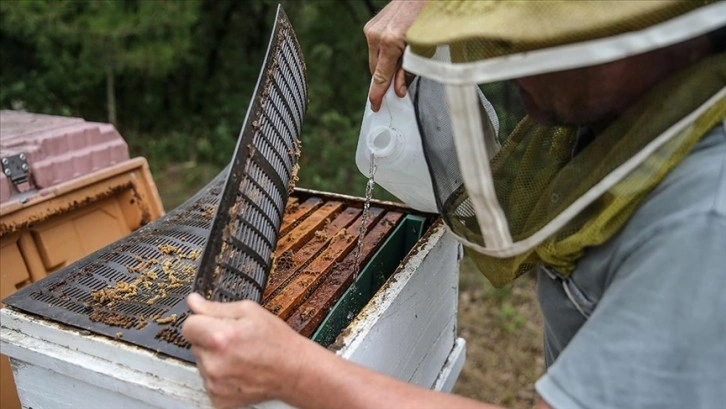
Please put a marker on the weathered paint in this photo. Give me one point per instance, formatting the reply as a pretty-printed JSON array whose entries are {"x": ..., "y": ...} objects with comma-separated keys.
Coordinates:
[
  {"x": 408, "y": 329},
  {"x": 452, "y": 368}
]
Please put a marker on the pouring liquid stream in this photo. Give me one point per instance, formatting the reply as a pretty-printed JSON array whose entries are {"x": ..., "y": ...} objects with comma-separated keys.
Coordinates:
[{"x": 364, "y": 217}]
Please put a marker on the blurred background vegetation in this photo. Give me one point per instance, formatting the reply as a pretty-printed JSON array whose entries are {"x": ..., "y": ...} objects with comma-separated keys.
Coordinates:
[{"x": 176, "y": 77}]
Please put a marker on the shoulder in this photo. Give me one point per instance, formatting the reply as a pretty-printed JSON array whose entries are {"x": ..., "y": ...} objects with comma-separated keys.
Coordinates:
[
  {"x": 691, "y": 198},
  {"x": 696, "y": 185},
  {"x": 656, "y": 334}
]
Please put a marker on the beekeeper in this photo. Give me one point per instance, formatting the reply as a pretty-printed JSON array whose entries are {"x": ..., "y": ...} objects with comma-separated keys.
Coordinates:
[{"x": 610, "y": 181}]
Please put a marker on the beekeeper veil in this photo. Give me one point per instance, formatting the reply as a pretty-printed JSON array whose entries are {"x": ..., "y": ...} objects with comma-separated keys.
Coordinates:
[{"x": 549, "y": 192}]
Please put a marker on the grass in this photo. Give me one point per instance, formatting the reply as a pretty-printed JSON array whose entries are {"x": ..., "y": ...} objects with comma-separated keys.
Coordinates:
[
  {"x": 177, "y": 182},
  {"x": 503, "y": 331},
  {"x": 502, "y": 327}
]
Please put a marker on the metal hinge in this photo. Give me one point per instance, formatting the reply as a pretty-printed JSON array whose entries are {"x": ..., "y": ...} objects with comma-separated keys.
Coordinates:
[{"x": 17, "y": 169}]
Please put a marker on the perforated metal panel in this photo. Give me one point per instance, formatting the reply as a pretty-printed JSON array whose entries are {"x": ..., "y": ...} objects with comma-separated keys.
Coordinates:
[
  {"x": 134, "y": 289},
  {"x": 238, "y": 256}
]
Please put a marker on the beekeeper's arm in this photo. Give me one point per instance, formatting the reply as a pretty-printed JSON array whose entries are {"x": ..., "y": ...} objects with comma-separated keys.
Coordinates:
[{"x": 246, "y": 355}]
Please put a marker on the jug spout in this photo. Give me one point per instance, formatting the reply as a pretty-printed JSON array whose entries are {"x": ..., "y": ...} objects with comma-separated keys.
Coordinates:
[{"x": 391, "y": 137}]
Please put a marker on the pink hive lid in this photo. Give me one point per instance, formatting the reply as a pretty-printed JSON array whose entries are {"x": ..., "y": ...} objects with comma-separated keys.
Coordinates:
[{"x": 55, "y": 149}]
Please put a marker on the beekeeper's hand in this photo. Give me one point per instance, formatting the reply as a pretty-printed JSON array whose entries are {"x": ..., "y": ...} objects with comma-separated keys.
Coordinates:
[
  {"x": 247, "y": 355},
  {"x": 385, "y": 34},
  {"x": 244, "y": 353}
]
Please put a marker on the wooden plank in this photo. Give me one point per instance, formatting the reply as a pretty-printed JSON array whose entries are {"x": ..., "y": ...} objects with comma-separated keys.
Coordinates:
[
  {"x": 452, "y": 368},
  {"x": 298, "y": 236},
  {"x": 294, "y": 213},
  {"x": 320, "y": 240},
  {"x": 307, "y": 280},
  {"x": 82, "y": 358},
  {"x": 311, "y": 313},
  {"x": 413, "y": 314},
  {"x": 289, "y": 263}
]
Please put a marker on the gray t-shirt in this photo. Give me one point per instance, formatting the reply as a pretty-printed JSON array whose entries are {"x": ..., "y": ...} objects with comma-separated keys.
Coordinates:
[{"x": 655, "y": 298}]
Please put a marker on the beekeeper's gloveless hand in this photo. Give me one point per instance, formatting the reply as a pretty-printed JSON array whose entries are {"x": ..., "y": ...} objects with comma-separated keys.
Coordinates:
[
  {"x": 244, "y": 353},
  {"x": 385, "y": 34}
]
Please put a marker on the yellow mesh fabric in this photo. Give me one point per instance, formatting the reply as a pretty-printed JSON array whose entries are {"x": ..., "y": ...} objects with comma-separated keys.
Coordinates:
[
  {"x": 536, "y": 177},
  {"x": 480, "y": 29}
]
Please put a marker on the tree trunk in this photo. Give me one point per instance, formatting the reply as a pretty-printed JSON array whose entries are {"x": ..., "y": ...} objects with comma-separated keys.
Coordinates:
[{"x": 110, "y": 93}]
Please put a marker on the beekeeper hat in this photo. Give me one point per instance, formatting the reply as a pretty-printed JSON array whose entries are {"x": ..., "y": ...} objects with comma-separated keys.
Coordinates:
[{"x": 545, "y": 196}]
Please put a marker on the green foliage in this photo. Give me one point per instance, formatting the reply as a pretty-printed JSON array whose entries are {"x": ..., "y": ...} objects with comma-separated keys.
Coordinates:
[
  {"x": 504, "y": 304},
  {"x": 70, "y": 48},
  {"x": 510, "y": 318},
  {"x": 180, "y": 74},
  {"x": 331, "y": 37}
]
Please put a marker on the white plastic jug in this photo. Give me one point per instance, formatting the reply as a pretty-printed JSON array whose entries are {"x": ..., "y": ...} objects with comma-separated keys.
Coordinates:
[{"x": 391, "y": 136}]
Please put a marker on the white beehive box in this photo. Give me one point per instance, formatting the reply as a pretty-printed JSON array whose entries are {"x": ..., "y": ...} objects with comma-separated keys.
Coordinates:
[{"x": 407, "y": 330}]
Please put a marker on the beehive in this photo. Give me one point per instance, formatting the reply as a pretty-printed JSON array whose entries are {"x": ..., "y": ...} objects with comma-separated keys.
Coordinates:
[{"x": 406, "y": 326}]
